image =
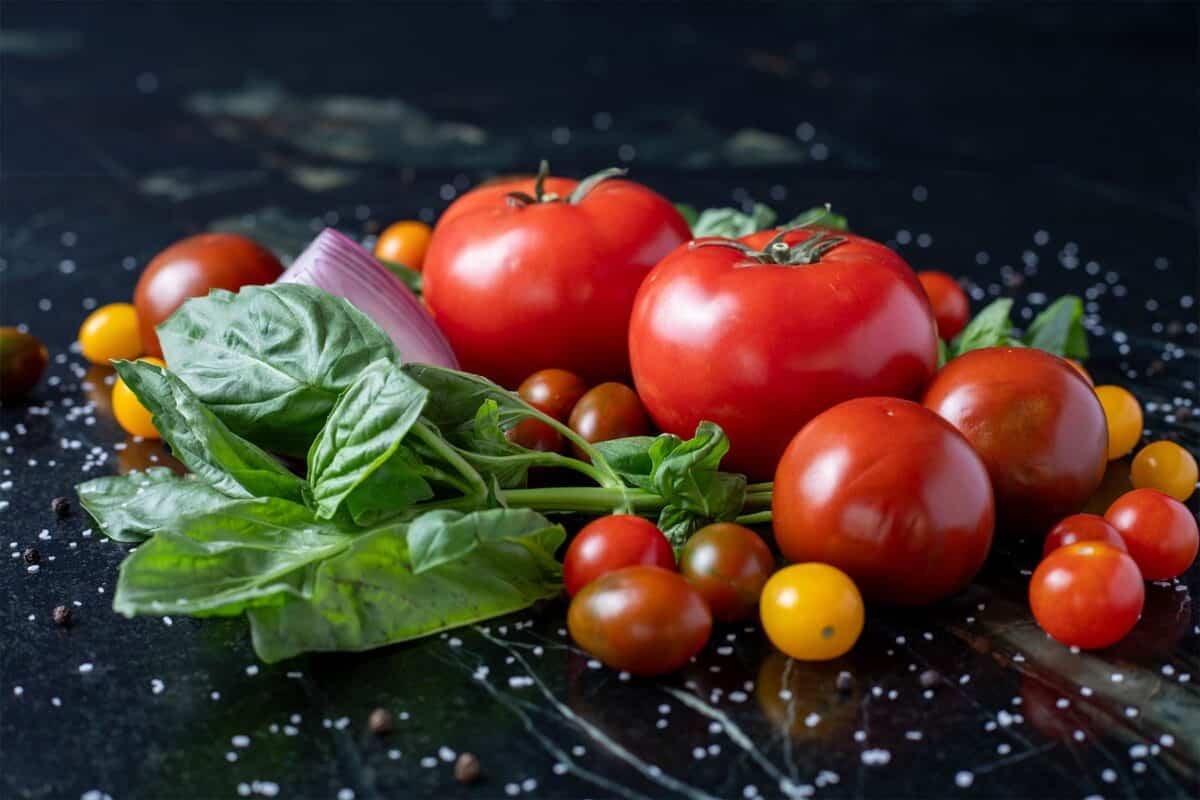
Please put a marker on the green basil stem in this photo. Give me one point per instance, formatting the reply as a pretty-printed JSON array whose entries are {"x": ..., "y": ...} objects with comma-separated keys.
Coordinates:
[
  {"x": 753, "y": 488},
  {"x": 757, "y": 518},
  {"x": 475, "y": 481}
]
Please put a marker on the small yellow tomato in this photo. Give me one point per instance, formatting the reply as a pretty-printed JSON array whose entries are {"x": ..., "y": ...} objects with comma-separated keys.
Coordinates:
[
  {"x": 1167, "y": 467},
  {"x": 110, "y": 332},
  {"x": 404, "y": 243},
  {"x": 812, "y": 612},
  {"x": 1124, "y": 416},
  {"x": 134, "y": 417}
]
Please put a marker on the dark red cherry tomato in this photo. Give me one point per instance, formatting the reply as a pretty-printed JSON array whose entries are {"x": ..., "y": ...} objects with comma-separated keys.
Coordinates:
[
  {"x": 951, "y": 308},
  {"x": 1087, "y": 594},
  {"x": 610, "y": 543},
  {"x": 891, "y": 494},
  {"x": 1082, "y": 528},
  {"x": 729, "y": 565},
  {"x": 645, "y": 620},
  {"x": 553, "y": 392},
  {"x": 191, "y": 268},
  {"x": 1159, "y": 531},
  {"x": 609, "y": 411},
  {"x": 1037, "y": 425},
  {"x": 533, "y": 434}
]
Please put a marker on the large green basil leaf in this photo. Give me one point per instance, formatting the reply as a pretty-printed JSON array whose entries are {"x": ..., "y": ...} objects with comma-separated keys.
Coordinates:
[
  {"x": 226, "y": 461},
  {"x": 686, "y": 474},
  {"x": 363, "y": 431},
  {"x": 271, "y": 361},
  {"x": 368, "y": 596},
  {"x": 733, "y": 223},
  {"x": 437, "y": 537},
  {"x": 630, "y": 457},
  {"x": 818, "y": 215},
  {"x": 129, "y": 508},
  {"x": 389, "y": 490},
  {"x": 1059, "y": 329},
  {"x": 245, "y": 554}
]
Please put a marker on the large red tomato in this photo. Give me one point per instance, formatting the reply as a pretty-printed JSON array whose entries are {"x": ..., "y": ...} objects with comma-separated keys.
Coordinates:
[
  {"x": 1036, "y": 423},
  {"x": 527, "y": 274},
  {"x": 890, "y": 493},
  {"x": 760, "y": 342}
]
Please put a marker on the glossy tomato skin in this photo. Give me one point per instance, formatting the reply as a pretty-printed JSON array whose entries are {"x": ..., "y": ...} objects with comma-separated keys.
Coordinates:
[
  {"x": 1087, "y": 594},
  {"x": 1159, "y": 531},
  {"x": 517, "y": 288},
  {"x": 553, "y": 391},
  {"x": 760, "y": 349},
  {"x": 533, "y": 434},
  {"x": 1035, "y": 422},
  {"x": 191, "y": 268},
  {"x": 891, "y": 494},
  {"x": 608, "y": 411},
  {"x": 645, "y": 620},
  {"x": 951, "y": 308},
  {"x": 729, "y": 565},
  {"x": 610, "y": 543},
  {"x": 1083, "y": 528}
]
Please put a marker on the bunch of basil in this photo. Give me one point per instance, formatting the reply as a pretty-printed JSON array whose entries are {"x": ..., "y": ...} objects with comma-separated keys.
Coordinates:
[{"x": 413, "y": 515}]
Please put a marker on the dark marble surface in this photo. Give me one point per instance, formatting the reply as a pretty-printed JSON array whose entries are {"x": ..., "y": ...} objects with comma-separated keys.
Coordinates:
[{"x": 1045, "y": 150}]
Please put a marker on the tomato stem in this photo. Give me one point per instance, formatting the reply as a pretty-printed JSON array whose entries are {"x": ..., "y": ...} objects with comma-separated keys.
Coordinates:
[{"x": 582, "y": 189}]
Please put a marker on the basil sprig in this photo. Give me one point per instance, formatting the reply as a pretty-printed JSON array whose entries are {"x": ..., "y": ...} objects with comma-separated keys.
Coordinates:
[{"x": 1058, "y": 330}]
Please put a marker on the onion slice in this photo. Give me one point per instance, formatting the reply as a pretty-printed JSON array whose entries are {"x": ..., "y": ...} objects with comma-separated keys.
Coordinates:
[{"x": 340, "y": 266}]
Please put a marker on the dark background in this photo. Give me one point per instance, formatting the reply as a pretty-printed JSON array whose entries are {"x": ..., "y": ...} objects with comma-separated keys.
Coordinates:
[{"x": 1030, "y": 149}]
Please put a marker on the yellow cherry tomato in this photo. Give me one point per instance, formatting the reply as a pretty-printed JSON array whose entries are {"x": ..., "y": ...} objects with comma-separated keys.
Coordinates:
[
  {"x": 134, "y": 417},
  {"x": 1124, "y": 416},
  {"x": 1167, "y": 467},
  {"x": 109, "y": 332},
  {"x": 812, "y": 612},
  {"x": 404, "y": 243}
]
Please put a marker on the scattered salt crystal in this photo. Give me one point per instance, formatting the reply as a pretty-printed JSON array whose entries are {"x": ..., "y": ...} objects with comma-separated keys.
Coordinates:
[{"x": 963, "y": 779}]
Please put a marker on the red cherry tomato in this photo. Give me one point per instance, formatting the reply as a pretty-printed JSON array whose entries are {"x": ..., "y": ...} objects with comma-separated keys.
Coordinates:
[
  {"x": 610, "y": 543},
  {"x": 645, "y": 620},
  {"x": 1087, "y": 594},
  {"x": 553, "y": 392},
  {"x": 728, "y": 565},
  {"x": 608, "y": 411},
  {"x": 760, "y": 347},
  {"x": 889, "y": 493},
  {"x": 1037, "y": 426},
  {"x": 1082, "y": 528},
  {"x": 1159, "y": 531},
  {"x": 191, "y": 268},
  {"x": 951, "y": 308},
  {"x": 517, "y": 285},
  {"x": 533, "y": 434}
]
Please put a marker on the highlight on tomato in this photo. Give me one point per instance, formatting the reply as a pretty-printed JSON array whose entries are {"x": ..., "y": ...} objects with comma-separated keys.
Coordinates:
[
  {"x": 532, "y": 273},
  {"x": 1087, "y": 594},
  {"x": 761, "y": 335},
  {"x": 890, "y": 493},
  {"x": 611, "y": 543},
  {"x": 1039, "y": 429},
  {"x": 951, "y": 309},
  {"x": 643, "y": 619},
  {"x": 1160, "y": 532},
  {"x": 1082, "y": 528},
  {"x": 728, "y": 564},
  {"x": 812, "y": 612},
  {"x": 1167, "y": 467}
]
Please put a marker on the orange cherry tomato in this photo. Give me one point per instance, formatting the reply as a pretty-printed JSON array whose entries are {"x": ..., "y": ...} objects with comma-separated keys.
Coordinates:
[
  {"x": 812, "y": 612},
  {"x": 134, "y": 417},
  {"x": 1123, "y": 414},
  {"x": 1082, "y": 528},
  {"x": 1167, "y": 467},
  {"x": 1087, "y": 594},
  {"x": 404, "y": 243},
  {"x": 1159, "y": 531},
  {"x": 111, "y": 332}
]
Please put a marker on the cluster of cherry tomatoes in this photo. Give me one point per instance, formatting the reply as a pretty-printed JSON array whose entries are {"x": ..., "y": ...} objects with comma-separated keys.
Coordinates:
[{"x": 610, "y": 410}]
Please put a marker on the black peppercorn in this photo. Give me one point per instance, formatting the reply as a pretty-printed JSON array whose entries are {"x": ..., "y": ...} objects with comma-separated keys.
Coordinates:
[
  {"x": 380, "y": 721},
  {"x": 62, "y": 616},
  {"x": 61, "y": 506},
  {"x": 845, "y": 681},
  {"x": 31, "y": 555},
  {"x": 466, "y": 768},
  {"x": 930, "y": 678}
]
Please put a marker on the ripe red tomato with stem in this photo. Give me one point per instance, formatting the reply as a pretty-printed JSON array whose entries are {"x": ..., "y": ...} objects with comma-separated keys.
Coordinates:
[
  {"x": 527, "y": 274},
  {"x": 191, "y": 268},
  {"x": 1159, "y": 531},
  {"x": 610, "y": 543},
  {"x": 889, "y": 493},
  {"x": 553, "y": 391},
  {"x": 1035, "y": 422},
  {"x": 761, "y": 335},
  {"x": 642, "y": 619},
  {"x": 1087, "y": 594},
  {"x": 1082, "y": 528},
  {"x": 951, "y": 308},
  {"x": 608, "y": 411},
  {"x": 728, "y": 564}
]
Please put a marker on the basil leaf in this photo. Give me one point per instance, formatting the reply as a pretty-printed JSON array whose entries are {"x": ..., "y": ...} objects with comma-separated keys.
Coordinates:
[
  {"x": 991, "y": 327},
  {"x": 271, "y": 361},
  {"x": 1059, "y": 329},
  {"x": 129, "y": 508},
  {"x": 689, "y": 213},
  {"x": 362, "y": 432},
  {"x": 389, "y": 490},
  {"x": 686, "y": 475},
  {"x": 630, "y": 457},
  {"x": 732, "y": 223},
  {"x": 368, "y": 596},
  {"x": 414, "y": 280},
  {"x": 438, "y": 537},
  {"x": 246, "y": 554},
  {"x": 819, "y": 215},
  {"x": 224, "y": 460}
]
